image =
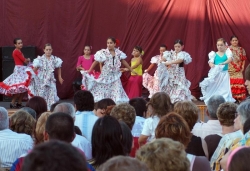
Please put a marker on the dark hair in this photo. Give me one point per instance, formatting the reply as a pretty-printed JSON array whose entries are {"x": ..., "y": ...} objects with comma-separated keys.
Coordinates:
[
  {"x": 164, "y": 46},
  {"x": 16, "y": 39},
  {"x": 113, "y": 39},
  {"x": 47, "y": 44},
  {"x": 127, "y": 137},
  {"x": 233, "y": 36},
  {"x": 38, "y": 104},
  {"x": 179, "y": 41},
  {"x": 52, "y": 107},
  {"x": 32, "y": 112},
  {"x": 45, "y": 155},
  {"x": 240, "y": 160},
  {"x": 106, "y": 140},
  {"x": 246, "y": 126},
  {"x": 221, "y": 39},
  {"x": 77, "y": 130},
  {"x": 140, "y": 105},
  {"x": 104, "y": 103},
  {"x": 247, "y": 73},
  {"x": 139, "y": 48},
  {"x": 60, "y": 126},
  {"x": 84, "y": 100}
]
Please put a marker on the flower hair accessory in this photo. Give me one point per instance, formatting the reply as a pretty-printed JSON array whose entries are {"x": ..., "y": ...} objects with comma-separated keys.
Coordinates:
[
  {"x": 117, "y": 42},
  {"x": 142, "y": 52}
]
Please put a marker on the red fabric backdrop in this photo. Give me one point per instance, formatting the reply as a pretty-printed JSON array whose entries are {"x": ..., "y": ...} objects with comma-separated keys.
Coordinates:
[{"x": 69, "y": 25}]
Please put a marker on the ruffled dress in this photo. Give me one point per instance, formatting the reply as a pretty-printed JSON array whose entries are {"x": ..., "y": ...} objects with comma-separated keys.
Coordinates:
[
  {"x": 43, "y": 83},
  {"x": 218, "y": 80},
  {"x": 108, "y": 85},
  {"x": 235, "y": 70},
  {"x": 178, "y": 86}
]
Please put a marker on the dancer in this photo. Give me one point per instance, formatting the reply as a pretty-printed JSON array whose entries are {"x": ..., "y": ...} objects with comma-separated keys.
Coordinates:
[
  {"x": 235, "y": 70},
  {"x": 178, "y": 85},
  {"x": 85, "y": 61},
  {"x": 44, "y": 84},
  {"x": 108, "y": 85},
  {"x": 218, "y": 81},
  {"x": 17, "y": 83},
  {"x": 152, "y": 83},
  {"x": 134, "y": 85}
]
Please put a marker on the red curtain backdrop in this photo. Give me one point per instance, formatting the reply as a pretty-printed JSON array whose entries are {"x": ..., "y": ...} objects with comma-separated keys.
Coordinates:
[{"x": 69, "y": 25}]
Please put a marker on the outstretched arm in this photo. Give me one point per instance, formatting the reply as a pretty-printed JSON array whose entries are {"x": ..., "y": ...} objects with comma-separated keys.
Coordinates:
[
  {"x": 93, "y": 66},
  {"x": 60, "y": 75},
  {"x": 127, "y": 66},
  {"x": 174, "y": 62},
  {"x": 150, "y": 67}
]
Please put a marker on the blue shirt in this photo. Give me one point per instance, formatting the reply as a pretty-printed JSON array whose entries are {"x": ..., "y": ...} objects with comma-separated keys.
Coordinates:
[{"x": 220, "y": 59}]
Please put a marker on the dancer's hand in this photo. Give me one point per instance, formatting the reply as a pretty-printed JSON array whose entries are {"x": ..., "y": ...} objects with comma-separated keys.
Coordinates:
[
  {"x": 145, "y": 70},
  {"x": 134, "y": 72},
  {"x": 211, "y": 65},
  {"x": 168, "y": 63},
  {"x": 61, "y": 80}
]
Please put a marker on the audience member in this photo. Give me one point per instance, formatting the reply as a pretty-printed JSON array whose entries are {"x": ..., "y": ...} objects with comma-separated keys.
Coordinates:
[
  {"x": 54, "y": 156},
  {"x": 127, "y": 138},
  {"x": 38, "y": 104},
  {"x": 226, "y": 115},
  {"x": 52, "y": 107},
  {"x": 30, "y": 111},
  {"x": 123, "y": 163},
  {"x": 238, "y": 159},
  {"x": 84, "y": 116},
  {"x": 22, "y": 122},
  {"x": 104, "y": 107},
  {"x": 12, "y": 144},
  {"x": 189, "y": 111},
  {"x": 175, "y": 127},
  {"x": 79, "y": 141},
  {"x": 213, "y": 125},
  {"x": 40, "y": 127},
  {"x": 158, "y": 106},
  {"x": 106, "y": 140},
  {"x": 124, "y": 112},
  {"x": 246, "y": 126},
  {"x": 164, "y": 154}
]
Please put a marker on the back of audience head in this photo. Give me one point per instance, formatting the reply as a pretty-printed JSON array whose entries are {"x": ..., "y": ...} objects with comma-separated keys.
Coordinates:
[
  {"x": 127, "y": 137},
  {"x": 84, "y": 101},
  {"x": 213, "y": 104},
  {"x": 67, "y": 108},
  {"x": 140, "y": 105},
  {"x": 60, "y": 126},
  {"x": 22, "y": 122},
  {"x": 226, "y": 113},
  {"x": 32, "y": 112},
  {"x": 243, "y": 113},
  {"x": 106, "y": 140},
  {"x": 44, "y": 157},
  {"x": 4, "y": 119},
  {"x": 164, "y": 154},
  {"x": 123, "y": 163},
  {"x": 124, "y": 112},
  {"x": 77, "y": 130},
  {"x": 175, "y": 127},
  {"x": 38, "y": 104},
  {"x": 238, "y": 159},
  {"x": 104, "y": 107},
  {"x": 160, "y": 103},
  {"x": 246, "y": 126},
  {"x": 40, "y": 127},
  {"x": 52, "y": 107},
  {"x": 189, "y": 111}
]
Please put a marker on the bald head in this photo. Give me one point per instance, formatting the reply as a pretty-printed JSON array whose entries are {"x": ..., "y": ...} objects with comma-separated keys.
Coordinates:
[{"x": 67, "y": 108}]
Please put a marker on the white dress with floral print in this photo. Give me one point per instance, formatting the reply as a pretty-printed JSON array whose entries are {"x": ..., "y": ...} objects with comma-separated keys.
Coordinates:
[
  {"x": 44, "y": 83},
  {"x": 108, "y": 85}
]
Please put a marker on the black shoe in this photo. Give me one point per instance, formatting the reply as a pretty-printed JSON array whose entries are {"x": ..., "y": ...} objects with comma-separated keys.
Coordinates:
[
  {"x": 13, "y": 106},
  {"x": 19, "y": 105}
]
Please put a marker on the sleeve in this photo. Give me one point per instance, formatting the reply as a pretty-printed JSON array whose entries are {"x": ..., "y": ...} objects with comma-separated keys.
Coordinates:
[
  {"x": 79, "y": 61},
  {"x": 229, "y": 53},
  {"x": 58, "y": 62},
  {"x": 211, "y": 56},
  {"x": 122, "y": 55},
  {"x": 146, "y": 127},
  {"x": 19, "y": 55},
  {"x": 154, "y": 60},
  {"x": 244, "y": 56},
  {"x": 100, "y": 56},
  {"x": 185, "y": 57},
  {"x": 167, "y": 55},
  {"x": 37, "y": 63}
]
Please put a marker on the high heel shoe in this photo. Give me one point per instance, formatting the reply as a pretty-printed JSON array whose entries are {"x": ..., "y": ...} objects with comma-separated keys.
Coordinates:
[
  {"x": 12, "y": 106},
  {"x": 19, "y": 105}
]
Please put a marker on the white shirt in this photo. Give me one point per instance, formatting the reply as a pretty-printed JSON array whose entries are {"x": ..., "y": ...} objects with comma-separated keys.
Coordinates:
[
  {"x": 149, "y": 127},
  {"x": 83, "y": 144},
  {"x": 12, "y": 146},
  {"x": 85, "y": 121},
  {"x": 138, "y": 126},
  {"x": 204, "y": 129}
]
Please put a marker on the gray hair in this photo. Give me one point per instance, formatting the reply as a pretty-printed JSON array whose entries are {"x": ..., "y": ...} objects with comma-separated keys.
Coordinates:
[
  {"x": 29, "y": 110},
  {"x": 67, "y": 108},
  {"x": 4, "y": 119},
  {"x": 244, "y": 111},
  {"x": 213, "y": 104}
]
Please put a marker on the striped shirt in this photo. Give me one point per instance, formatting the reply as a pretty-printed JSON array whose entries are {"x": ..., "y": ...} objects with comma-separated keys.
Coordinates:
[{"x": 12, "y": 146}]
